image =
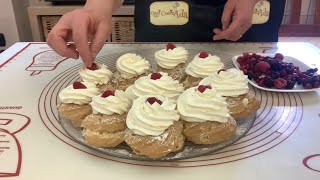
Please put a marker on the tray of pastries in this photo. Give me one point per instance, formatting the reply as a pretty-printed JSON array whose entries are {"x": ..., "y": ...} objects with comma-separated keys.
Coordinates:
[{"x": 177, "y": 109}]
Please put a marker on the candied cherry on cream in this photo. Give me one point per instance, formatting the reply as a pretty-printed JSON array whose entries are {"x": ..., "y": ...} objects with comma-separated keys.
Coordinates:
[
  {"x": 93, "y": 67},
  {"x": 78, "y": 85},
  {"x": 170, "y": 46},
  {"x": 152, "y": 100},
  {"x": 156, "y": 76},
  {"x": 203, "y": 88},
  {"x": 107, "y": 93},
  {"x": 203, "y": 55}
]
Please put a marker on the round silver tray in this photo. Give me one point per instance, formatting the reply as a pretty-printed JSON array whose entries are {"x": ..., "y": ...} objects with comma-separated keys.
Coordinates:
[{"x": 189, "y": 151}]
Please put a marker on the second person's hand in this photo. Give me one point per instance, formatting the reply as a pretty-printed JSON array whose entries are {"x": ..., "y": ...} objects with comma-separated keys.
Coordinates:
[
  {"x": 236, "y": 19},
  {"x": 90, "y": 24}
]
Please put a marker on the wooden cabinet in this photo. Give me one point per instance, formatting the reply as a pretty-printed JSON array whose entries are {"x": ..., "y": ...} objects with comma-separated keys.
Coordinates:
[{"x": 43, "y": 17}]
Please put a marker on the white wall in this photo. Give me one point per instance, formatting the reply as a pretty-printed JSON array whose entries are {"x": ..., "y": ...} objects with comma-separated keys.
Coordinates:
[
  {"x": 23, "y": 24},
  {"x": 8, "y": 23}
]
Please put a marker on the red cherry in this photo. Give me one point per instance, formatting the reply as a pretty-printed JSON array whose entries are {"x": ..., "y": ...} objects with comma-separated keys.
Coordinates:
[
  {"x": 79, "y": 85},
  {"x": 261, "y": 83},
  {"x": 308, "y": 86},
  {"x": 202, "y": 88},
  {"x": 262, "y": 66},
  {"x": 170, "y": 46},
  {"x": 246, "y": 55},
  {"x": 203, "y": 55},
  {"x": 241, "y": 60},
  {"x": 280, "y": 83},
  {"x": 152, "y": 100},
  {"x": 221, "y": 70},
  {"x": 107, "y": 94},
  {"x": 279, "y": 56},
  {"x": 93, "y": 67},
  {"x": 156, "y": 76}
]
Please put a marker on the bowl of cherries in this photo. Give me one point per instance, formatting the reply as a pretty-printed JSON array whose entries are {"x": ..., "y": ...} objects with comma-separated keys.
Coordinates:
[{"x": 278, "y": 73}]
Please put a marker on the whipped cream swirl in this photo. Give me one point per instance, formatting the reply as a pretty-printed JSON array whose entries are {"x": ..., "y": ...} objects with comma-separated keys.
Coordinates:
[
  {"x": 165, "y": 86},
  {"x": 120, "y": 103},
  {"x": 146, "y": 119},
  {"x": 171, "y": 58},
  {"x": 203, "y": 67},
  {"x": 100, "y": 76},
  {"x": 194, "y": 106},
  {"x": 79, "y": 96},
  {"x": 132, "y": 65},
  {"x": 229, "y": 83}
]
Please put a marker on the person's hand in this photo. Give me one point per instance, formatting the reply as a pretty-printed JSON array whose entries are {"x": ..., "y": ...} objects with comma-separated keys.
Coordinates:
[
  {"x": 236, "y": 19},
  {"x": 81, "y": 27}
]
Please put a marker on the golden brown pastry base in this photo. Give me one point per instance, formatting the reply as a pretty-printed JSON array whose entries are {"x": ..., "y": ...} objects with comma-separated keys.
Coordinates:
[
  {"x": 103, "y": 139},
  {"x": 176, "y": 73},
  {"x": 155, "y": 147},
  {"x": 119, "y": 83},
  {"x": 105, "y": 123},
  {"x": 110, "y": 86},
  {"x": 74, "y": 112},
  {"x": 209, "y": 132},
  {"x": 238, "y": 109},
  {"x": 191, "y": 82}
]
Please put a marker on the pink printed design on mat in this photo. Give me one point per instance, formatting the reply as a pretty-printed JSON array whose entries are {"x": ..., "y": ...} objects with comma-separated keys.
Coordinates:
[
  {"x": 307, "y": 164},
  {"x": 45, "y": 61},
  {"x": 10, "y": 149},
  {"x": 5, "y": 121}
]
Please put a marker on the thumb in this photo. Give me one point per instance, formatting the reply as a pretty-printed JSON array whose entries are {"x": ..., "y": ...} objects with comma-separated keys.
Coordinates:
[{"x": 100, "y": 37}]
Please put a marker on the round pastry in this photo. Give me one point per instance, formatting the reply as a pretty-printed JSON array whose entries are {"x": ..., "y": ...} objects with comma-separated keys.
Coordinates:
[
  {"x": 206, "y": 116},
  {"x": 154, "y": 129},
  {"x": 108, "y": 119},
  {"x": 172, "y": 60},
  {"x": 202, "y": 66},
  {"x": 103, "y": 139},
  {"x": 155, "y": 84},
  {"x": 233, "y": 85},
  {"x": 75, "y": 101},
  {"x": 98, "y": 74},
  {"x": 129, "y": 68}
]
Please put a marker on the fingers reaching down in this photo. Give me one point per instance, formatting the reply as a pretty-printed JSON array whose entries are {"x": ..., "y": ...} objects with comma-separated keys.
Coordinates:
[{"x": 80, "y": 38}]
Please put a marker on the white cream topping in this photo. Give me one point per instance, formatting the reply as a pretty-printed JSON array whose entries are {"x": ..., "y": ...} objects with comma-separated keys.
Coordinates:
[
  {"x": 100, "y": 76},
  {"x": 120, "y": 103},
  {"x": 203, "y": 67},
  {"x": 146, "y": 119},
  {"x": 165, "y": 86},
  {"x": 131, "y": 65},
  {"x": 194, "y": 106},
  {"x": 171, "y": 58},
  {"x": 79, "y": 96},
  {"x": 229, "y": 83}
]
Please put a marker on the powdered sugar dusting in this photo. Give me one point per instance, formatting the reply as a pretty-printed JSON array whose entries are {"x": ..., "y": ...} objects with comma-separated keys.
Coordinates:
[
  {"x": 190, "y": 150},
  {"x": 162, "y": 137}
]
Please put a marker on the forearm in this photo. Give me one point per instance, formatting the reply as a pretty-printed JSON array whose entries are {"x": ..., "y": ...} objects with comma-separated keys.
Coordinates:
[{"x": 103, "y": 6}]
